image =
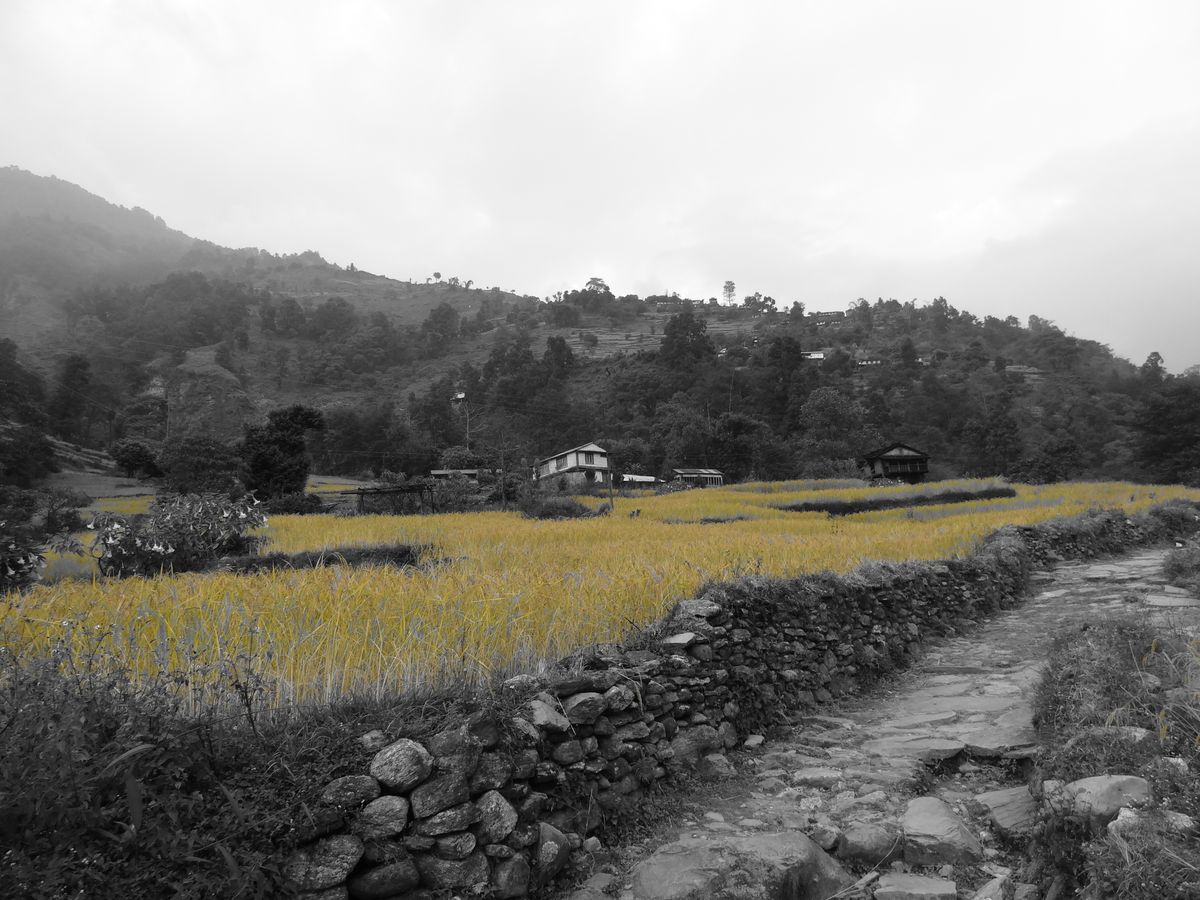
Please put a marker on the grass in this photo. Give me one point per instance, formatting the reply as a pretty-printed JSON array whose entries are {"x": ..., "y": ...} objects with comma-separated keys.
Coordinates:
[
  {"x": 1122, "y": 672},
  {"x": 942, "y": 493},
  {"x": 511, "y": 595}
]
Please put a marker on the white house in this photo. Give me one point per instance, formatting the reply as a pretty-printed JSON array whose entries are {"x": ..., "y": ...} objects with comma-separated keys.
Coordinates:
[{"x": 578, "y": 467}]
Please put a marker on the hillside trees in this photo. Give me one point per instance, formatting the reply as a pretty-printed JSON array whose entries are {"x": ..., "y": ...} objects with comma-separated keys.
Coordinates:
[
  {"x": 685, "y": 340},
  {"x": 1168, "y": 431}
]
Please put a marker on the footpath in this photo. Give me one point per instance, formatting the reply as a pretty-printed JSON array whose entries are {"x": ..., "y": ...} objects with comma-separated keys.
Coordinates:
[{"x": 917, "y": 790}]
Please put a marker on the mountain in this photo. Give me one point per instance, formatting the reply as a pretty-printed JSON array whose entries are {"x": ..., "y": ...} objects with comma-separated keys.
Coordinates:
[{"x": 57, "y": 238}]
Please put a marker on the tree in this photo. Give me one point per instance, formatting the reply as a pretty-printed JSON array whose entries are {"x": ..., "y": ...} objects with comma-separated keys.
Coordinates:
[
  {"x": 69, "y": 401},
  {"x": 729, "y": 292},
  {"x": 133, "y": 457},
  {"x": 599, "y": 285},
  {"x": 200, "y": 465},
  {"x": 275, "y": 460},
  {"x": 1168, "y": 432},
  {"x": 685, "y": 340}
]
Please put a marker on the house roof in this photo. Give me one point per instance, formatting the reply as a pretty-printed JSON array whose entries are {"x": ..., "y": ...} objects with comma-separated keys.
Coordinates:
[
  {"x": 594, "y": 448},
  {"x": 698, "y": 472},
  {"x": 890, "y": 450}
]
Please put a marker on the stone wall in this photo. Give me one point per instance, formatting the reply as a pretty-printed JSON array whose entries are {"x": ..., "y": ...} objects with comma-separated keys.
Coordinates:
[{"x": 503, "y": 800}]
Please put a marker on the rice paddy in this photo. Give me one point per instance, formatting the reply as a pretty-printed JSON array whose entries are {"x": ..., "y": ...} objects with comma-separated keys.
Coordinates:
[{"x": 509, "y": 594}]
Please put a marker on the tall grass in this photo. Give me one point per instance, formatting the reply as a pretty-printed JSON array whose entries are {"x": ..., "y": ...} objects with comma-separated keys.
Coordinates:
[{"x": 510, "y": 594}]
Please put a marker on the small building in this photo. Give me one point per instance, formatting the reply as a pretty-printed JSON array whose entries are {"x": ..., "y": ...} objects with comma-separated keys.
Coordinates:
[
  {"x": 812, "y": 354},
  {"x": 580, "y": 466},
  {"x": 642, "y": 480},
  {"x": 835, "y": 317},
  {"x": 443, "y": 474},
  {"x": 896, "y": 461},
  {"x": 1029, "y": 374},
  {"x": 699, "y": 477}
]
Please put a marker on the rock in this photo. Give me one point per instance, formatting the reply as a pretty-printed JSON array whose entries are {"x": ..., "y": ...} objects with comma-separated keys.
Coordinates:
[
  {"x": 817, "y": 776},
  {"x": 1012, "y": 810},
  {"x": 925, "y": 749},
  {"x": 542, "y": 711},
  {"x": 779, "y": 864},
  {"x": 382, "y": 818},
  {"x": 999, "y": 888},
  {"x": 456, "y": 818},
  {"x": 1001, "y": 740},
  {"x": 595, "y": 888},
  {"x": 511, "y": 878},
  {"x": 933, "y": 835},
  {"x": 553, "y": 850},
  {"x": 385, "y": 881},
  {"x": 753, "y": 741},
  {"x": 1111, "y": 733},
  {"x": 869, "y": 844},
  {"x": 692, "y": 743},
  {"x": 452, "y": 742},
  {"x": 497, "y": 818},
  {"x": 901, "y": 886},
  {"x": 493, "y": 772},
  {"x": 438, "y": 794},
  {"x": 323, "y": 863},
  {"x": 442, "y": 874},
  {"x": 459, "y": 845},
  {"x": 402, "y": 766},
  {"x": 677, "y": 643},
  {"x": 372, "y": 741},
  {"x": 1101, "y": 797},
  {"x": 825, "y": 835},
  {"x": 1023, "y": 891},
  {"x": 1128, "y": 820},
  {"x": 716, "y": 765},
  {"x": 350, "y": 791},
  {"x": 585, "y": 708},
  {"x": 338, "y": 892}
]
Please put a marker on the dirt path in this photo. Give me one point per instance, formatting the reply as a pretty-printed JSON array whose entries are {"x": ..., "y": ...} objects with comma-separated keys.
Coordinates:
[{"x": 918, "y": 787}]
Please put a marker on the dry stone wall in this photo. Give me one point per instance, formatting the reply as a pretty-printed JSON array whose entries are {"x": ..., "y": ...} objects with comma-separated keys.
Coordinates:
[{"x": 501, "y": 802}]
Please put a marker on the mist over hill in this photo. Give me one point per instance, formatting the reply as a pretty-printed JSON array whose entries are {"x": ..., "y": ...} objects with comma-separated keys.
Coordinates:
[{"x": 117, "y": 326}]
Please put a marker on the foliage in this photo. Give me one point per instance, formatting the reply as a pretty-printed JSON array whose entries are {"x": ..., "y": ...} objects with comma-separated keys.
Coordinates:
[
  {"x": 275, "y": 459},
  {"x": 200, "y": 465},
  {"x": 550, "y": 506},
  {"x": 1182, "y": 565},
  {"x": 180, "y": 534},
  {"x": 134, "y": 457},
  {"x": 31, "y": 522},
  {"x": 293, "y": 504},
  {"x": 930, "y": 496},
  {"x": 26, "y": 455}
]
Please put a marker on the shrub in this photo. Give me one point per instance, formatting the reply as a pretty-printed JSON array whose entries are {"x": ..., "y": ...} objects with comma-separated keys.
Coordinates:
[
  {"x": 275, "y": 460},
  {"x": 134, "y": 458},
  {"x": 200, "y": 466},
  {"x": 554, "y": 507},
  {"x": 398, "y": 555},
  {"x": 300, "y": 504},
  {"x": 179, "y": 534},
  {"x": 30, "y": 521},
  {"x": 1182, "y": 565}
]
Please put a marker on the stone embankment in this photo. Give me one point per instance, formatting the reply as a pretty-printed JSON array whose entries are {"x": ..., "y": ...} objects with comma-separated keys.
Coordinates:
[
  {"x": 506, "y": 801},
  {"x": 920, "y": 790}
]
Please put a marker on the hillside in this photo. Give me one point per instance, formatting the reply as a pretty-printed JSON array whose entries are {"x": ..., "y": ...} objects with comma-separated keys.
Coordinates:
[{"x": 119, "y": 320}]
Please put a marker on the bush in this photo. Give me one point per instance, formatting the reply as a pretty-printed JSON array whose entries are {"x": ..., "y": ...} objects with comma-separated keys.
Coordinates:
[
  {"x": 1182, "y": 565},
  {"x": 553, "y": 507},
  {"x": 30, "y": 521},
  {"x": 398, "y": 555},
  {"x": 134, "y": 458},
  {"x": 179, "y": 534},
  {"x": 903, "y": 501},
  {"x": 293, "y": 505},
  {"x": 200, "y": 466}
]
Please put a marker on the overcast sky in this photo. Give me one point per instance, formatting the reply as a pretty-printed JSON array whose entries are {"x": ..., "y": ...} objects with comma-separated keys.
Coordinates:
[{"x": 1015, "y": 157}]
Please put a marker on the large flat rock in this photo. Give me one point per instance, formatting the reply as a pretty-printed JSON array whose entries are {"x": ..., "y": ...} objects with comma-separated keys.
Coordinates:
[
  {"x": 1012, "y": 810},
  {"x": 900, "y": 886},
  {"x": 934, "y": 835},
  {"x": 926, "y": 749},
  {"x": 768, "y": 865}
]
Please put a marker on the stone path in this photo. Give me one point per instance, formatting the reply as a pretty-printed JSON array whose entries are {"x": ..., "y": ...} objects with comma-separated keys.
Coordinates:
[{"x": 917, "y": 790}]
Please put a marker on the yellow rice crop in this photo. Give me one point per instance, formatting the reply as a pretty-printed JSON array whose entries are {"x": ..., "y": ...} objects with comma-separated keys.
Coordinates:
[{"x": 512, "y": 594}]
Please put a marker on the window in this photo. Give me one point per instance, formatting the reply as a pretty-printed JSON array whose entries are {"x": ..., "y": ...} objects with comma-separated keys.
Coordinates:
[
  {"x": 560, "y": 463},
  {"x": 589, "y": 458}
]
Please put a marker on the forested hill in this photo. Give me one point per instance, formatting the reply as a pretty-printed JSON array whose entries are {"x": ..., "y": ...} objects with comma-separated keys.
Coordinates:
[{"x": 406, "y": 372}]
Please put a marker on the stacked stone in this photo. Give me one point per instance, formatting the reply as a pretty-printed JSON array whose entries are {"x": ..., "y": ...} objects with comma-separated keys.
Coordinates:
[{"x": 502, "y": 802}]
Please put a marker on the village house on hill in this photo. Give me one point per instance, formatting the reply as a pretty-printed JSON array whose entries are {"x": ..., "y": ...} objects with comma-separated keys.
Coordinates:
[
  {"x": 896, "y": 461},
  {"x": 578, "y": 467},
  {"x": 700, "y": 477}
]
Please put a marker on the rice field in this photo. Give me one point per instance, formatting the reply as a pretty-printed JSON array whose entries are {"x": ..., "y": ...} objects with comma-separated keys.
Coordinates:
[{"x": 509, "y": 594}]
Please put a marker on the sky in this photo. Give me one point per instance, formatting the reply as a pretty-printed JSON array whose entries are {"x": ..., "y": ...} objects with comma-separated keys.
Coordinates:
[{"x": 1016, "y": 158}]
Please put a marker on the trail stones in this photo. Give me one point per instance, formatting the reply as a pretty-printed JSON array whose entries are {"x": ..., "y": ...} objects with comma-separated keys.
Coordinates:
[
  {"x": 402, "y": 766},
  {"x": 898, "y": 886},
  {"x": 324, "y": 863},
  {"x": 869, "y": 844},
  {"x": 1010, "y": 741},
  {"x": 999, "y": 888},
  {"x": 926, "y": 749},
  {"x": 773, "y": 865},
  {"x": 1011, "y": 810},
  {"x": 933, "y": 835}
]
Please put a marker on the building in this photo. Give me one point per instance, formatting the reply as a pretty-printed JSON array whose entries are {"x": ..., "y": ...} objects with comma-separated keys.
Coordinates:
[
  {"x": 896, "y": 461},
  {"x": 442, "y": 474},
  {"x": 835, "y": 317},
  {"x": 578, "y": 467},
  {"x": 639, "y": 480},
  {"x": 812, "y": 354},
  {"x": 700, "y": 477}
]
